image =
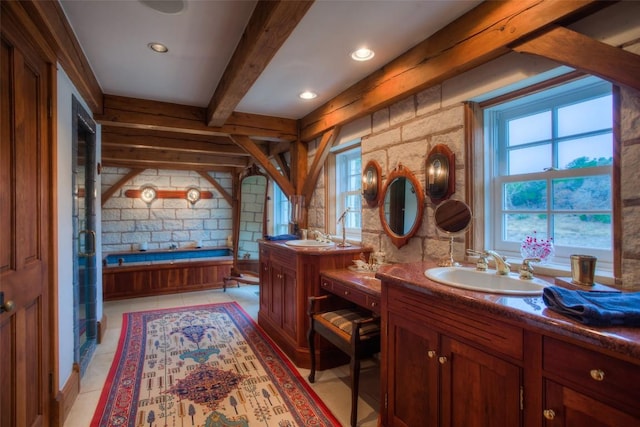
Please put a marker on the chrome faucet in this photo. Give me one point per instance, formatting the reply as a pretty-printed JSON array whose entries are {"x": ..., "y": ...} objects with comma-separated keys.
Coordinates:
[
  {"x": 344, "y": 226},
  {"x": 502, "y": 266}
]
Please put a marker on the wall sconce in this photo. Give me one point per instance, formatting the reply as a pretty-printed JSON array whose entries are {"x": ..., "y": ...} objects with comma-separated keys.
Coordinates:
[
  {"x": 193, "y": 195},
  {"x": 441, "y": 173},
  {"x": 371, "y": 182},
  {"x": 148, "y": 194}
]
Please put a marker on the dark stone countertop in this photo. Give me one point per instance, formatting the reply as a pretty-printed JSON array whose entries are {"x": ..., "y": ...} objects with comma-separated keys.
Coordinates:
[{"x": 530, "y": 312}]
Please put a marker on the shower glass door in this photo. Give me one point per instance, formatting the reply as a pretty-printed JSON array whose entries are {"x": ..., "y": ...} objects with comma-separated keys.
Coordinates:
[{"x": 84, "y": 232}]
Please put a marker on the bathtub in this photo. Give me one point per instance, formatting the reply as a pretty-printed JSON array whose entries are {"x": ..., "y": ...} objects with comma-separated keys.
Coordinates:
[{"x": 156, "y": 272}]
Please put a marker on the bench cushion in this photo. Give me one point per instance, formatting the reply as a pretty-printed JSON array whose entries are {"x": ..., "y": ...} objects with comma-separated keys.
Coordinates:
[{"x": 343, "y": 318}]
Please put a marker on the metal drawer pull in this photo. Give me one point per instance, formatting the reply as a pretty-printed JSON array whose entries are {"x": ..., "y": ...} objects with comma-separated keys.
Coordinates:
[
  {"x": 431, "y": 354},
  {"x": 597, "y": 374},
  {"x": 346, "y": 292},
  {"x": 549, "y": 414},
  {"x": 442, "y": 360},
  {"x": 373, "y": 304}
]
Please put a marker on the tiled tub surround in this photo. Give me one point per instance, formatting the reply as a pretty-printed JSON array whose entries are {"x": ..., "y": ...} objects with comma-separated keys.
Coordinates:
[
  {"x": 508, "y": 346},
  {"x": 163, "y": 256}
]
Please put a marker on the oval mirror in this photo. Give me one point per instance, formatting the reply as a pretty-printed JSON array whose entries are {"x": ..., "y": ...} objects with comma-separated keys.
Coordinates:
[{"x": 402, "y": 206}]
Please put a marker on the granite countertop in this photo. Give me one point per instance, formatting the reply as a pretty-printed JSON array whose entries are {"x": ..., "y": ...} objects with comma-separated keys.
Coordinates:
[
  {"x": 316, "y": 250},
  {"x": 530, "y": 311}
]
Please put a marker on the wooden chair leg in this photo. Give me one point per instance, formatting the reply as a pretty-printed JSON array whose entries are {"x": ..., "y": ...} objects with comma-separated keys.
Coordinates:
[
  {"x": 355, "y": 381},
  {"x": 312, "y": 352}
]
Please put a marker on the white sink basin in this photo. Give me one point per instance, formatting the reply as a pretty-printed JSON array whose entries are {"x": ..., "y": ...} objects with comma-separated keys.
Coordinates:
[
  {"x": 485, "y": 281},
  {"x": 308, "y": 243}
]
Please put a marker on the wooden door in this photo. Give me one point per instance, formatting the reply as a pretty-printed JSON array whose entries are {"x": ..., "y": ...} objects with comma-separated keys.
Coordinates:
[
  {"x": 565, "y": 407},
  {"x": 24, "y": 232},
  {"x": 412, "y": 371},
  {"x": 478, "y": 389}
]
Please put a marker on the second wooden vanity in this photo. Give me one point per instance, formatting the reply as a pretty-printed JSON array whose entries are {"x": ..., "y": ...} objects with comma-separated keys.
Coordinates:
[
  {"x": 452, "y": 357},
  {"x": 288, "y": 277}
]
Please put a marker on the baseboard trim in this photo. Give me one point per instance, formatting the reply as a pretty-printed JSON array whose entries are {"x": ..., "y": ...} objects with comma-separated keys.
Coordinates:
[{"x": 67, "y": 396}]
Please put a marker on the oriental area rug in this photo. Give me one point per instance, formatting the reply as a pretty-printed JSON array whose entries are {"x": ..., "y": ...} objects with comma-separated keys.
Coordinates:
[{"x": 208, "y": 365}]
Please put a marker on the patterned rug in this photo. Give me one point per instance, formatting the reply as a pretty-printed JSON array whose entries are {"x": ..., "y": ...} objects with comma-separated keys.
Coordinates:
[{"x": 208, "y": 365}]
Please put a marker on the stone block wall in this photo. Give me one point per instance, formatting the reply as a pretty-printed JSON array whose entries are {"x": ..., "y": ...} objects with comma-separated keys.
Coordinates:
[
  {"x": 251, "y": 216},
  {"x": 128, "y": 222}
]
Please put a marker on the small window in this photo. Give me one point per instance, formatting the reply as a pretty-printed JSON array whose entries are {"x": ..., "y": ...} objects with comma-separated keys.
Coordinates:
[
  {"x": 280, "y": 212},
  {"x": 550, "y": 158},
  {"x": 348, "y": 180}
]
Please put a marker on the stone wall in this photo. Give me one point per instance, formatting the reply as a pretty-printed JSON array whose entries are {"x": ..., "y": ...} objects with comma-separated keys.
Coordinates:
[
  {"x": 128, "y": 222},
  {"x": 251, "y": 216},
  {"x": 405, "y": 133}
]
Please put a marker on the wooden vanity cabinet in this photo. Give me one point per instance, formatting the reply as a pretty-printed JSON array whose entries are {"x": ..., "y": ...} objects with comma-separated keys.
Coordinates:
[
  {"x": 446, "y": 369},
  {"x": 288, "y": 277}
]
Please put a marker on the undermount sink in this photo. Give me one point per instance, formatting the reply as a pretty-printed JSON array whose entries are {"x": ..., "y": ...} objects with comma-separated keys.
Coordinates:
[
  {"x": 308, "y": 243},
  {"x": 485, "y": 281}
]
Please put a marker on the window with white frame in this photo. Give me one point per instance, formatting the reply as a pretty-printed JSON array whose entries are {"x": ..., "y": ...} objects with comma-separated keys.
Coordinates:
[
  {"x": 549, "y": 171},
  {"x": 281, "y": 215},
  {"x": 348, "y": 182}
]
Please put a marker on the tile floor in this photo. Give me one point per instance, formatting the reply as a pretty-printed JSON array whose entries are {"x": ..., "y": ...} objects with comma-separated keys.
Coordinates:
[{"x": 331, "y": 385}]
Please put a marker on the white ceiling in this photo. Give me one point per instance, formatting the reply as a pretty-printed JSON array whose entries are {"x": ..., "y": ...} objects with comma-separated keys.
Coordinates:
[{"x": 202, "y": 38}]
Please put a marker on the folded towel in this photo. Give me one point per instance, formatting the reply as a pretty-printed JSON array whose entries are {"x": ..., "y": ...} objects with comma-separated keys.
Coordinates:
[
  {"x": 282, "y": 237},
  {"x": 595, "y": 308}
]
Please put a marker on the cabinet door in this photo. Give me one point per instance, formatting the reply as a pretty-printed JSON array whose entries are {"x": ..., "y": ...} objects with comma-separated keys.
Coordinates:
[
  {"x": 478, "y": 389},
  {"x": 274, "y": 302},
  {"x": 289, "y": 296},
  {"x": 565, "y": 407},
  {"x": 265, "y": 285},
  {"x": 412, "y": 370}
]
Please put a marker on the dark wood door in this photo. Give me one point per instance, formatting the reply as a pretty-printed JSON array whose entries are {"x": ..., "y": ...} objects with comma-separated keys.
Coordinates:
[
  {"x": 478, "y": 389},
  {"x": 412, "y": 370},
  {"x": 24, "y": 232},
  {"x": 565, "y": 407}
]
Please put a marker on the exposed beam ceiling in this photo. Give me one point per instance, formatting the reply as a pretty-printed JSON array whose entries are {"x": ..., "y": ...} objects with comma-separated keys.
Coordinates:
[{"x": 269, "y": 27}]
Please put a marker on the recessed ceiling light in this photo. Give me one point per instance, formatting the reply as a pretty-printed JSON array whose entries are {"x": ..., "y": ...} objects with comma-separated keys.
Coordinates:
[
  {"x": 362, "y": 54},
  {"x": 158, "y": 47},
  {"x": 307, "y": 94}
]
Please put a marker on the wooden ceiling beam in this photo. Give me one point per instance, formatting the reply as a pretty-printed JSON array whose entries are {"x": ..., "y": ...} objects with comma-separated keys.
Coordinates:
[
  {"x": 168, "y": 141},
  {"x": 106, "y": 195},
  {"x": 322, "y": 152},
  {"x": 145, "y": 114},
  {"x": 211, "y": 180},
  {"x": 269, "y": 27},
  {"x": 184, "y": 166},
  {"x": 481, "y": 35},
  {"x": 578, "y": 51},
  {"x": 250, "y": 147},
  {"x": 142, "y": 157}
]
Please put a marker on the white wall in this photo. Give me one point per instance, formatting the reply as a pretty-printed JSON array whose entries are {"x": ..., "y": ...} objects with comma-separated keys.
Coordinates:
[{"x": 64, "y": 205}]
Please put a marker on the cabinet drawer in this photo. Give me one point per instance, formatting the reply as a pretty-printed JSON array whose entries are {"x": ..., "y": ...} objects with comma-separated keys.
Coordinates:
[
  {"x": 480, "y": 328},
  {"x": 373, "y": 304},
  {"x": 594, "y": 371},
  {"x": 359, "y": 298}
]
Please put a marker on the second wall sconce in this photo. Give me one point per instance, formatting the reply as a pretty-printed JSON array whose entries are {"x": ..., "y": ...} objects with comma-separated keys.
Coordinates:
[
  {"x": 441, "y": 173},
  {"x": 148, "y": 194}
]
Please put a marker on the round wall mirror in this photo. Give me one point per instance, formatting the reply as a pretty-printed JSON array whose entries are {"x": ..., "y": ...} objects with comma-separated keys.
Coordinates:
[
  {"x": 452, "y": 217},
  {"x": 402, "y": 206}
]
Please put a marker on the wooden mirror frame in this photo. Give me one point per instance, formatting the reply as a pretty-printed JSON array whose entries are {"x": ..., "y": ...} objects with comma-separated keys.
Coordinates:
[
  {"x": 402, "y": 172},
  {"x": 444, "y": 187},
  {"x": 371, "y": 177}
]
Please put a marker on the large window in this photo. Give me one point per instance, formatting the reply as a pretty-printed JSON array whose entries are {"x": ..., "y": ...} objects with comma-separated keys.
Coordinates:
[
  {"x": 550, "y": 170},
  {"x": 348, "y": 181}
]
